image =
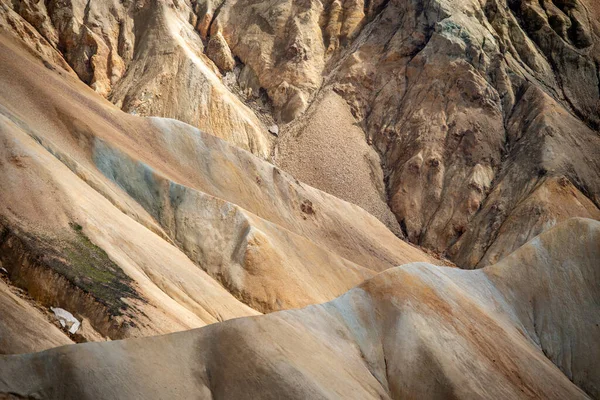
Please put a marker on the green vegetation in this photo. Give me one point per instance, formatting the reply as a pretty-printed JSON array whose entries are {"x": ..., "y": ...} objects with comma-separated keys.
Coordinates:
[
  {"x": 84, "y": 265},
  {"x": 89, "y": 268}
]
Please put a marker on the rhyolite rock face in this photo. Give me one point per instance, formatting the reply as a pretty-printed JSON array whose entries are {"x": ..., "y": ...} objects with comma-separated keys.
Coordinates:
[
  {"x": 171, "y": 164},
  {"x": 463, "y": 110}
]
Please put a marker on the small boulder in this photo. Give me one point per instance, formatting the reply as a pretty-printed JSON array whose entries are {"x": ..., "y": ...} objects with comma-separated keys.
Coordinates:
[
  {"x": 274, "y": 129},
  {"x": 218, "y": 51}
]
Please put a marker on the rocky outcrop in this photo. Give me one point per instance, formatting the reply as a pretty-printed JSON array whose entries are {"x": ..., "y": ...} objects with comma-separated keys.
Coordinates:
[
  {"x": 468, "y": 112},
  {"x": 110, "y": 45},
  {"x": 181, "y": 82},
  {"x": 466, "y": 102},
  {"x": 524, "y": 328},
  {"x": 218, "y": 51}
]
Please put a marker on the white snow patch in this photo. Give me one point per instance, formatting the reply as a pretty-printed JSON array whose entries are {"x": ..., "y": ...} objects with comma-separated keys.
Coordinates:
[{"x": 66, "y": 319}]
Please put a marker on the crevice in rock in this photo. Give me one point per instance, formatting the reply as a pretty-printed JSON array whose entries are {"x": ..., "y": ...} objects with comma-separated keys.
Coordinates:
[
  {"x": 403, "y": 228},
  {"x": 86, "y": 12},
  {"x": 260, "y": 103},
  {"x": 214, "y": 18}
]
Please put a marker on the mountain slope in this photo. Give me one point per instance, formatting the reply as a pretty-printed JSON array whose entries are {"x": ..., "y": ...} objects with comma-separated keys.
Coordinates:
[
  {"x": 147, "y": 225},
  {"x": 167, "y": 165},
  {"x": 412, "y": 331},
  {"x": 439, "y": 117}
]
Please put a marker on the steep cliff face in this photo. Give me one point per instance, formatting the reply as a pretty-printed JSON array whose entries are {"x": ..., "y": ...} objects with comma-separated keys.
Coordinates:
[
  {"x": 473, "y": 107},
  {"x": 468, "y": 104}
]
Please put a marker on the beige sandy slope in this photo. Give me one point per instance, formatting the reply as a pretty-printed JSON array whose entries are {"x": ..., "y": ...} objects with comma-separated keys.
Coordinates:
[
  {"x": 196, "y": 160},
  {"x": 524, "y": 328},
  {"x": 326, "y": 140},
  {"x": 43, "y": 200},
  {"x": 150, "y": 226}
]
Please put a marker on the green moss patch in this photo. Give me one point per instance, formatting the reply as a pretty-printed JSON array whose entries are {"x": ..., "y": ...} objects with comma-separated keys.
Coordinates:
[
  {"x": 82, "y": 263},
  {"x": 90, "y": 268}
]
